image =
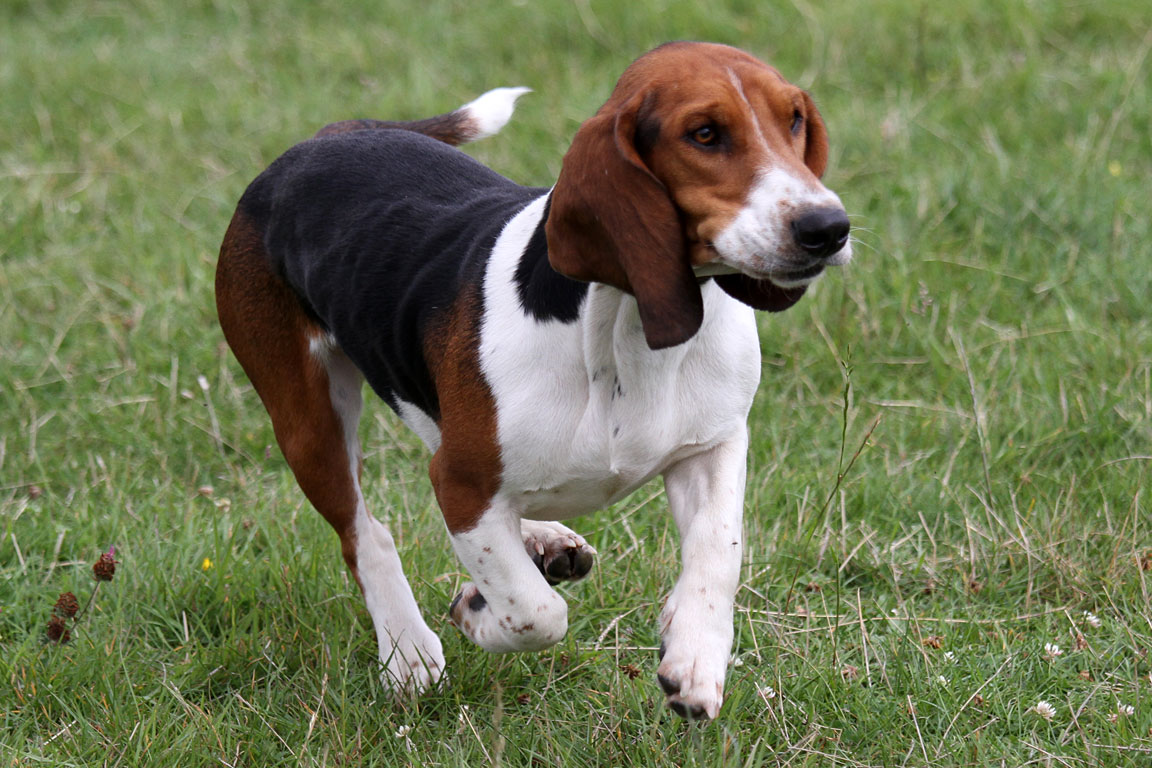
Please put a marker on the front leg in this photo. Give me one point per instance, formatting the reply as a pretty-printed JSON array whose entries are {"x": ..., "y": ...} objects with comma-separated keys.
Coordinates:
[
  {"x": 509, "y": 606},
  {"x": 706, "y": 497}
]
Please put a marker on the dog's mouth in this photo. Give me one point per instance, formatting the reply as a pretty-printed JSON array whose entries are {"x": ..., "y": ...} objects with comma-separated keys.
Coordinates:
[
  {"x": 797, "y": 277},
  {"x": 709, "y": 262}
]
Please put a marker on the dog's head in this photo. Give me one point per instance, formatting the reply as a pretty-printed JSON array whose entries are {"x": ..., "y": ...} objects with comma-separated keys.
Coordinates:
[{"x": 704, "y": 162}]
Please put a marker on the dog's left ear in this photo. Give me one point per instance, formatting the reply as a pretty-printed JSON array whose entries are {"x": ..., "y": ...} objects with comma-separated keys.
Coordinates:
[
  {"x": 763, "y": 294},
  {"x": 612, "y": 221}
]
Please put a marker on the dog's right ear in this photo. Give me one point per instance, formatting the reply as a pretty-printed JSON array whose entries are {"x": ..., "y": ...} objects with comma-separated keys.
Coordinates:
[{"x": 612, "y": 221}]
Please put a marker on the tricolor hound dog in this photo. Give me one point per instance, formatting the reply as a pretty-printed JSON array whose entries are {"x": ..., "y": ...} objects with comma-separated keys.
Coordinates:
[{"x": 554, "y": 348}]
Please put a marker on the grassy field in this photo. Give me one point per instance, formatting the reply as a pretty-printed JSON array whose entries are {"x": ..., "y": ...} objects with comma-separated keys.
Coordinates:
[{"x": 994, "y": 331}]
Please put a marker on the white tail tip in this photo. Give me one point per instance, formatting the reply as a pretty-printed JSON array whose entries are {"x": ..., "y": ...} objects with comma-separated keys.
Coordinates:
[{"x": 489, "y": 112}]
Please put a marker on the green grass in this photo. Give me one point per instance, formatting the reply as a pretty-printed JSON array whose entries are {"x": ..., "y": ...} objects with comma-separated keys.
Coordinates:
[{"x": 995, "y": 158}]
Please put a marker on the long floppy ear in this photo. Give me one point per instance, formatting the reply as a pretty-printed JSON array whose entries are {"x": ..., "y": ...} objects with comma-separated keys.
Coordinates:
[
  {"x": 764, "y": 294},
  {"x": 611, "y": 221}
]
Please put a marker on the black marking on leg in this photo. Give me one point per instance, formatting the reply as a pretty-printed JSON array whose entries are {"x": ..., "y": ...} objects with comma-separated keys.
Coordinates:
[
  {"x": 477, "y": 602},
  {"x": 668, "y": 685},
  {"x": 663, "y": 649},
  {"x": 455, "y": 602}
]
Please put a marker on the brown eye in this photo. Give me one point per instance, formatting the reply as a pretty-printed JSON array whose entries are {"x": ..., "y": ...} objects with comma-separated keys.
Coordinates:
[
  {"x": 705, "y": 136},
  {"x": 797, "y": 122}
]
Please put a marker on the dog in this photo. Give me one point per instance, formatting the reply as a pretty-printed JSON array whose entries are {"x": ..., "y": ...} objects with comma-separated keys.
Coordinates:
[{"x": 555, "y": 349}]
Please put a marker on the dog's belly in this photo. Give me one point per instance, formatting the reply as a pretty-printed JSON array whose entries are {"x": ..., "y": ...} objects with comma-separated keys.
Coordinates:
[
  {"x": 600, "y": 470},
  {"x": 575, "y": 497},
  {"x": 579, "y": 496}
]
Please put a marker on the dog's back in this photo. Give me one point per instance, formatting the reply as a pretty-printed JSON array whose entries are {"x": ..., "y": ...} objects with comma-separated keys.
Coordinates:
[{"x": 344, "y": 218}]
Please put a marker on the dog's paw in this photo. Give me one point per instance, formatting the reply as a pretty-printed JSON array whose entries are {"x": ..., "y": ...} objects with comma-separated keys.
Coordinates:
[
  {"x": 516, "y": 627},
  {"x": 412, "y": 665},
  {"x": 693, "y": 685},
  {"x": 559, "y": 553}
]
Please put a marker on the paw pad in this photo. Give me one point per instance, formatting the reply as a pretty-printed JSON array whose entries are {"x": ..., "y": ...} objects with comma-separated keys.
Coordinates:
[{"x": 565, "y": 564}]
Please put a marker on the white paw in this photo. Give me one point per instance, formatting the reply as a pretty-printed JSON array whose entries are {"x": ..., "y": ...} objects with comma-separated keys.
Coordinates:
[
  {"x": 696, "y": 642},
  {"x": 509, "y": 627},
  {"x": 412, "y": 665},
  {"x": 693, "y": 684}
]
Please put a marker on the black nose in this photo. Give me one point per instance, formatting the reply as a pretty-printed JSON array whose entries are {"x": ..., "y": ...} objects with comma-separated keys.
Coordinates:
[{"x": 821, "y": 232}]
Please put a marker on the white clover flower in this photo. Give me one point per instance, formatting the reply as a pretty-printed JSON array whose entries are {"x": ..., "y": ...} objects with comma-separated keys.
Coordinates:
[
  {"x": 1092, "y": 620},
  {"x": 949, "y": 656},
  {"x": 941, "y": 680},
  {"x": 1044, "y": 709},
  {"x": 766, "y": 691},
  {"x": 1127, "y": 710},
  {"x": 403, "y": 731},
  {"x": 1051, "y": 651}
]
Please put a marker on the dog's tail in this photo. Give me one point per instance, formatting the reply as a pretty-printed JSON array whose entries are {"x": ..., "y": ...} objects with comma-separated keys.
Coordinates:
[{"x": 477, "y": 119}]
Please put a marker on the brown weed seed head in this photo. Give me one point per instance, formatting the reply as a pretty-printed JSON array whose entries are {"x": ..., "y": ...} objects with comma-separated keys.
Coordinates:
[
  {"x": 58, "y": 630},
  {"x": 66, "y": 606},
  {"x": 105, "y": 568}
]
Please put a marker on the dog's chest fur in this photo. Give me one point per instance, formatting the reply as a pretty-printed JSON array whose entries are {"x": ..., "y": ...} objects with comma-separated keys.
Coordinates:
[{"x": 586, "y": 412}]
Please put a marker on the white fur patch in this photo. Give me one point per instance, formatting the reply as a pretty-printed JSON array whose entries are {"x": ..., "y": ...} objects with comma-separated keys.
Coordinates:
[
  {"x": 410, "y": 652},
  {"x": 491, "y": 111},
  {"x": 586, "y": 412},
  {"x": 321, "y": 346},
  {"x": 706, "y": 498},
  {"x": 519, "y": 611},
  {"x": 759, "y": 240},
  {"x": 420, "y": 423}
]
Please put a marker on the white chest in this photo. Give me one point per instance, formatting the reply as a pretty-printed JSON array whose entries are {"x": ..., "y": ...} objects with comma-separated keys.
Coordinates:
[{"x": 586, "y": 412}]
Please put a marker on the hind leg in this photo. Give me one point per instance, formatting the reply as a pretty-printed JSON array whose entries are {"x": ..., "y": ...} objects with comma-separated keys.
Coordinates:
[
  {"x": 410, "y": 652},
  {"x": 312, "y": 392}
]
